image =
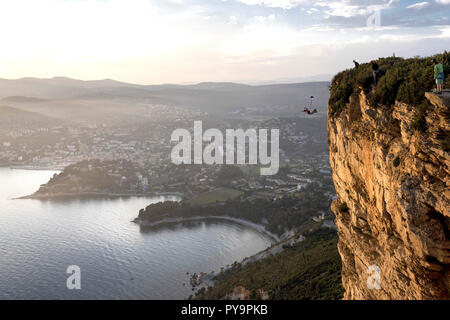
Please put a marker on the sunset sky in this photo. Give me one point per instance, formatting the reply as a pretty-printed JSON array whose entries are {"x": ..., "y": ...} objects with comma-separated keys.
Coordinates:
[{"x": 181, "y": 41}]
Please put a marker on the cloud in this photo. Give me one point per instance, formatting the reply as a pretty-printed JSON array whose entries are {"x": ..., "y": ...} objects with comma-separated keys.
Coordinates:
[
  {"x": 151, "y": 41},
  {"x": 445, "y": 33},
  {"x": 443, "y": 1},
  {"x": 75, "y": 30},
  {"x": 283, "y": 4},
  {"x": 232, "y": 20},
  {"x": 260, "y": 37},
  {"x": 348, "y": 9},
  {"x": 418, "y": 5},
  {"x": 312, "y": 11}
]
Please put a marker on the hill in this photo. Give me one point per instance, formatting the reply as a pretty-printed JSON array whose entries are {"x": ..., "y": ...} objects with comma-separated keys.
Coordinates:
[
  {"x": 13, "y": 118},
  {"x": 213, "y": 98},
  {"x": 21, "y": 99},
  {"x": 307, "y": 270},
  {"x": 389, "y": 151}
]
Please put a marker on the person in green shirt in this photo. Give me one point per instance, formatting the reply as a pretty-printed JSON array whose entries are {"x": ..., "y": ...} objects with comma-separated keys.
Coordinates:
[{"x": 438, "y": 75}]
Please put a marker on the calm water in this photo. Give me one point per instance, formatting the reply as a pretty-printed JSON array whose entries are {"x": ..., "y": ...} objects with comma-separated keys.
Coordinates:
[{"x": 118, "y": 260}]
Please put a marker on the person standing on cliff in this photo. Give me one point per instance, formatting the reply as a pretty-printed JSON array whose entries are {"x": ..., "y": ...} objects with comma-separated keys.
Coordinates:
[
  {"x": 438, "y": 75},
  {"x": 376, "y": 72}
]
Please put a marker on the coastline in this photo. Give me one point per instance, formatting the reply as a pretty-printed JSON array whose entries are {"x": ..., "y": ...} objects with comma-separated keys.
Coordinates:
[
  {"x": 258, "y": 227},
  {"x": 32, "y": 168},
  {"x": 99, "y": 194},
  {"x": 82, "y": 194}
]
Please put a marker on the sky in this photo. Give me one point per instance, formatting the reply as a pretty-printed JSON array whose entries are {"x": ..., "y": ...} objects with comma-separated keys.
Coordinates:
[{"x": 188, "y": 41}]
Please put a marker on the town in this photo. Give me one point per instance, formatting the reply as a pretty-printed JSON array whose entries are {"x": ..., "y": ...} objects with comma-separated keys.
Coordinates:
[{"x": 136, "y": 160}]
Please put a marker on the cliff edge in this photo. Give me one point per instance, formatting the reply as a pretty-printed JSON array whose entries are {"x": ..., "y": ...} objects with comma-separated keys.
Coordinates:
[{"x": 393, "y": 207}]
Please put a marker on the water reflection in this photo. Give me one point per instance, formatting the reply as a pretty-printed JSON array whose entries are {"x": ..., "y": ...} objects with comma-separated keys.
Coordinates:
[{"x": 118, "y": 258}]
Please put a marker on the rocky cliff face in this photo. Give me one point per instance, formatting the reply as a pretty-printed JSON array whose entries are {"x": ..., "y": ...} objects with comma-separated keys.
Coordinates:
[{"x": 393, "y": 207}]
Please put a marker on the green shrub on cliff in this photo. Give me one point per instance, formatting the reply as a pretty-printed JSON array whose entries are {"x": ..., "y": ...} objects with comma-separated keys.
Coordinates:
[
  {"x": 280, "y": 215},
  {"x": 341, "y": 89},
  {"x": 404, "y": 80},
  {"x": 309, "y": 270},
  {"x": 445, "y": 145},
  {"x": 419, "y": 123},
  {"x": 444, "y": 138}
]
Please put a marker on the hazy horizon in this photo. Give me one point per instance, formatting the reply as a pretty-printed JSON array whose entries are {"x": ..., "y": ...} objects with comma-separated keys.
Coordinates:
[{"x": 287, "y": 81}]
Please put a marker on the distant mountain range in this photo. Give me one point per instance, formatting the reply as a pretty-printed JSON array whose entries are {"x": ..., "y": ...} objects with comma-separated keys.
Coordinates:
[
  {"x": 62, "y": 87},
  {"x": 62, "y": 97},
  {"x": 315, "y": 78}
]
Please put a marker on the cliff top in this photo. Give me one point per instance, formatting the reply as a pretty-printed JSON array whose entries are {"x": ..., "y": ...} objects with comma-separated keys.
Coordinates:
[
  {"x": 389, "y": 152},
  {"x": 439, "y": 100},
  {"x": 402, "y": 80}
]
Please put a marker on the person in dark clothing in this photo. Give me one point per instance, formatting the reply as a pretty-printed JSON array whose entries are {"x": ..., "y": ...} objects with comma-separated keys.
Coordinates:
[
  {"x": 310, "y": 112},
  {"x": 356, "y": 64},
  {"x": 376, "y": 72}
]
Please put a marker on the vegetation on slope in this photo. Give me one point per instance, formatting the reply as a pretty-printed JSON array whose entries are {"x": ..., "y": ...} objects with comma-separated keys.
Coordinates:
[
  {"x": 93, "y": 176},
  {"x": 403, "y": 80},
  {"x": 278, "y": 215},
  {"x": 217, "y": 195},
  {"x": 309, "y": 270}
]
